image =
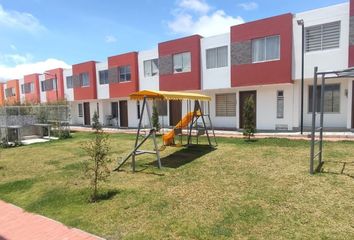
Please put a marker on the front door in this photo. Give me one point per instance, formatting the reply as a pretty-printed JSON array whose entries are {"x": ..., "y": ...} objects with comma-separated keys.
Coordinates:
[
  {"x": 87, "y": 118},
  {"x": 175, "y": 112},
  {"x": 243, "y": 97},
  {"x": 123, "y": 113},
  {"x": 353, "y": 105}
]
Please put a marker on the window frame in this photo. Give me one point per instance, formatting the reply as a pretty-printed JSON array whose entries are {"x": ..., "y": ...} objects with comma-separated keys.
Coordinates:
[
  {"x": 280, "y": 98},
  {"x": 189, "y": 69},
  {"x": 103, "y": 80},
  {"x": 81, "y": 77},
  {"x": 227, "y": 111},
  {"x": 80, "y": 111},
  {"x": 321, "y": 26},
  {"x": 150, "y": 67},
  {"x": 69, "y": 79},
  {"x": 125, "y": 74},
  {"x": 217, "y": 49},
  {"x": 310, "y": 92},
  {"x": 265, "y": 49}
]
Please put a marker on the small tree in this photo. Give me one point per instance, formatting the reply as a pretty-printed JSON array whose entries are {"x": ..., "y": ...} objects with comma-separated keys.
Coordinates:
[
  {"x": 155, "y": 118},
  {"x": 248, "y": 117},
  {"x": 96, "y": 125},
  {"x": 96, "y": 166}
]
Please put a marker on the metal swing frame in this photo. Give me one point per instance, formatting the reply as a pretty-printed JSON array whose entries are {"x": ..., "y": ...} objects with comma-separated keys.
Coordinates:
[
  {"x": 152, "y": 132},
  {"x": 347, "y": 73}
]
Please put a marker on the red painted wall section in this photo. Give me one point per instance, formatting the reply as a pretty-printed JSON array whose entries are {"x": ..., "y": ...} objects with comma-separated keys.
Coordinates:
[
  {"x": 124, "y": 89},
  {"x": 33, "y": 97},
  {"x": 2, "y": 94},
  {"x": 14, "y": 99},
  {"x": 90, "y": 92},
  {"x": 271, "y": 72},
  {"x": 52, "y": 95},
  {"x": 351, "y": 7},
  {"x": 187, "y": 80}
]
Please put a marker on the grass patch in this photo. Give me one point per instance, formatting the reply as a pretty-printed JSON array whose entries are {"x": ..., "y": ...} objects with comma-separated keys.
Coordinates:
[{"x": 240, "y": 190}]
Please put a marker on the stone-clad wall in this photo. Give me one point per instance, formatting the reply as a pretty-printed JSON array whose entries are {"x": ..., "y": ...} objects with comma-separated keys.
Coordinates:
[{"x": 241, "y": 53}]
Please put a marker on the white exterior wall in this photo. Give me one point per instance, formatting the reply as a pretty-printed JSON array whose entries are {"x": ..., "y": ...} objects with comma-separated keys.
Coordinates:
[
  {"x": 22, "y": 96},
  {"x": 215, "y": 78},
  {"x": 331, "y": 120},
  {"x": 331, "y": 59},
  {"x": 349, "y": 104},
  {"x": 68, "y": 93},
  {"x": 102, "y": 90},
  {"x": 147, "y": 83},
  {"x": 266, "y": 107},
  {"x": 43, "y": 95}
]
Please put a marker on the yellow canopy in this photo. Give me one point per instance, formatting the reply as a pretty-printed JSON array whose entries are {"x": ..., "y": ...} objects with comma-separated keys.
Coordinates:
[{"x": 166, "y": 95}]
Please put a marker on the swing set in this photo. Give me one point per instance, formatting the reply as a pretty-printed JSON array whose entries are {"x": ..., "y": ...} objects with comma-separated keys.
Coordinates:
[{"x": 189, "y": 123}]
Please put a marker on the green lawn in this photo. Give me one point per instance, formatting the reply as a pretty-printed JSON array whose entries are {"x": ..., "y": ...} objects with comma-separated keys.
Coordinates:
[{"x": 257, "y": 190}]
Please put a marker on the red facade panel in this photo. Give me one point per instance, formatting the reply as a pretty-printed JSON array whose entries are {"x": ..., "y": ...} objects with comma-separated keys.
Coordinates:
[
  {"x": 14, "y": 99},
  {"x": 270, "y": 72},
  {"x": 351, "y": 7},
  {"x": 124, "y": 89},
  {"x": 89, "y": 92},
  {"x": 55, "y": 94},
  {"x": 2, "y": 94},
  {"x": 187, "y": 80},
  {"x": 33, "y": 97}
]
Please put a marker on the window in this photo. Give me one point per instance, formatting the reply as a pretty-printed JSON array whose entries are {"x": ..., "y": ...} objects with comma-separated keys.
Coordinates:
[
  {"x": 124, "y": 73},
  {"x": 98, "y": 109},
  {"x": 80, "y": 109},
  {"x": 161, "y": 106},
  {"x": 151, "y": 67},
  {"x": 182, "y": 62},
  {"x": 10, "y": 92},
  {"x": 114, "y": 109},
  {"x": 84, "y": 79},
  {"x": 69, "y": 82},
  {"x": 266, "y": 49},
  {"x": 48, "y": 85},
  {"x": 331, "y": 98},
  {"x": 216, "y": 57},
  {"x": 322, "y": 37},
  {"x": 280, "y": 104},
  {"x": 103, "y": 77},
  {"x": 27, "y": 88},
  {"x": 225, "y": 105}
]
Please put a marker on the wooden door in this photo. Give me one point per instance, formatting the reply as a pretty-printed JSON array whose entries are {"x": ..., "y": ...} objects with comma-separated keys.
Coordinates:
[
  {"x": 353, "y": 105},
  {"x": 123, "y": 113},
  {"x": 87, "y": 115},
  {"x": 243, "y": 97},
  {"x": 175, "y": 112}
]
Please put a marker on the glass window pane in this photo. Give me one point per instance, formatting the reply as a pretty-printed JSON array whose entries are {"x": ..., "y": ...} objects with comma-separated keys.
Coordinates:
[
  {"x": 147, "y": 68},
  {"x": 186, "y": 62},
  {"x": 258, "y": 50},
  {"x": 222, "y": 56},
  {"x": 272, "y": 47},
  {"x": 155, "y": 67},
  {"x": 177, "y": 63},
  {"x": 211, "y": 55}
]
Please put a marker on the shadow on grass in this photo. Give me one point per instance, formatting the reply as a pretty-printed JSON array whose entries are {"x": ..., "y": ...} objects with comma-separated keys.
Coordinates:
[
  {"x": 340, "y": 164},
  {"x": 184, "y": 156},
  {"x": 106, "y": 195}
]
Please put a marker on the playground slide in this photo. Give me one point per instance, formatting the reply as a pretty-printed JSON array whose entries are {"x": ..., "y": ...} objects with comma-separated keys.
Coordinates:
[{"x": 168, "y": 137}]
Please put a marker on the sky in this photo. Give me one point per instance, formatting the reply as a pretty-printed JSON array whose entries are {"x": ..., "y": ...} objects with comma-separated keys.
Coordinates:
[{"x": 37, "y": 35}]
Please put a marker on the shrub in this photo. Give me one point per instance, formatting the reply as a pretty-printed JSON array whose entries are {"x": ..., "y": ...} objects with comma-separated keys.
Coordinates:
[
  {"x": 155, "y": 118},
  {"x": 249, "y": 117}
]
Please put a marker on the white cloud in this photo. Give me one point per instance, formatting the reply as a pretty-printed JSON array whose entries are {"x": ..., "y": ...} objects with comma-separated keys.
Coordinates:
[
  {"x": 20, "y": 20},
  {"x": 205, "y": 23},
  {"x": 248, "y": 6},
  {"x": 7, "y": 73},
  {"x": 110, "y": 39},
  {"x": 15, "y": 58},
  {"x": 196, "y": 5}
]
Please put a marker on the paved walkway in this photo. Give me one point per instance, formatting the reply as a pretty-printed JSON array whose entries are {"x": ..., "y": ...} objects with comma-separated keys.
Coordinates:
[
  {"x": 16, "y": 224},
  {"x": 328, "y": 136}
]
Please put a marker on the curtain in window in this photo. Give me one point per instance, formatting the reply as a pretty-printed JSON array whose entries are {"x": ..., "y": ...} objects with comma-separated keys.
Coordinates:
[
  {"x": 155, "y": 67},
  {"x": 147, "y": 68},
  {"x": 222, "y": 56},
  {"x": 186, "y": 62},
  {"x": 211, "y": 55},
  {"x": 272, "y": 48},
  {"x": 177, "y": 63},
  {"x": 258, "y": 53}
]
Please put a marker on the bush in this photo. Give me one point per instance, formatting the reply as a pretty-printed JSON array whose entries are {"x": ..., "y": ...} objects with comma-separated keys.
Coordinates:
[
  {"x": 249, "y": 116},
  {"x": 155, "y": 119}
]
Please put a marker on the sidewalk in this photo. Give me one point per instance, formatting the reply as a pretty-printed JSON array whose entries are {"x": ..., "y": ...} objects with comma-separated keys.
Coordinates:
[
  {"x": 328, "y": 136},
  {"x": 16, "y": 224}
]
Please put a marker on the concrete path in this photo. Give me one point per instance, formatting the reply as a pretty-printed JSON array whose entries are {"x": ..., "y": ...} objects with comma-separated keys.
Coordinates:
[
  {"x": 16, "y": 224},
  {"x": 328, "y": 136}
]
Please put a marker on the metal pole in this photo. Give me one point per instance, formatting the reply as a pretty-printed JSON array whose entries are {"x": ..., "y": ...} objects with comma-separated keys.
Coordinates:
[
  {"x": 153, "y": 135},
  {"x": 321, "y": 118},
  {"x": 137, "y": 134},
  {"x": 313, "y": 127},
  {"x": 302, "y": 78}
]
